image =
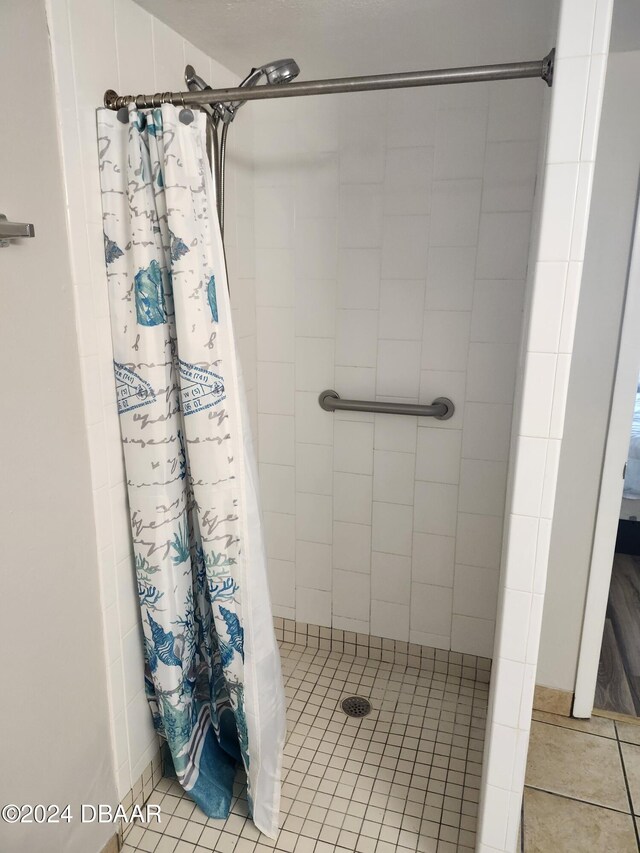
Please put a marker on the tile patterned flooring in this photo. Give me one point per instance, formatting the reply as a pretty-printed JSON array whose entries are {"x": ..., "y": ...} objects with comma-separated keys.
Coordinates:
[
  {"x": 404, "y": 778},
  {"x": 582, "y": 786}
]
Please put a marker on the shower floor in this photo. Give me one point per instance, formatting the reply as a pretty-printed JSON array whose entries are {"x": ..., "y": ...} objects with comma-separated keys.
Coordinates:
[{"x": 404, "y": 778}]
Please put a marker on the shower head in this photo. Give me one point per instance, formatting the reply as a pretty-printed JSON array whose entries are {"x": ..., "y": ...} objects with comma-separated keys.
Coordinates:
[
  {"x": 195, "y": 83},
  {"x": 274, "y": 73},
  {"x": 281, "y": 71}
]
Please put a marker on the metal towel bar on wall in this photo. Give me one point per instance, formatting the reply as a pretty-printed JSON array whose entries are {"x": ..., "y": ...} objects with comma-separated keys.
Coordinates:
[{"x": 441, "y": 408}]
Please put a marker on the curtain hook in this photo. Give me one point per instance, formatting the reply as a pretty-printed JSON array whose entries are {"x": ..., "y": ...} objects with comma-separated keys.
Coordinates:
[{"x": 185, "y": 115}]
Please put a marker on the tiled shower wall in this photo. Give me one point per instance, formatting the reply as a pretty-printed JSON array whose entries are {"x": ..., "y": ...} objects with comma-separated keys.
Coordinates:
[
  {"x": 96, "y": 45},
  {"x": 392, "y": 232}
]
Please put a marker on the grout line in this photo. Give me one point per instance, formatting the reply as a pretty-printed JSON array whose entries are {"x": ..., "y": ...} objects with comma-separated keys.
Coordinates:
[
  {"x": 571, "y": 729},
  {"x": 576, "y": 799},
  {"x": 626, "y": 784}
]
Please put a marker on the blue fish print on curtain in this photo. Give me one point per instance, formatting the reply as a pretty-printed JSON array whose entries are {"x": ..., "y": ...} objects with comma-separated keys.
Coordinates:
[
  {"x": 150, "y": 296},
  {"x": 212, "y": 671},
  {"x": 211, "y": 295},
  {"x": 178, "y": 247},
  {"x": 111, "y": 250}
]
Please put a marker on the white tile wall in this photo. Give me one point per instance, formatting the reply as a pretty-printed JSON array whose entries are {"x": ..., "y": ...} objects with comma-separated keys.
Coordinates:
[
  {"x": 555, "y": 275},
  {"x": 403, "y": 254},
  {"x": 101, "y": 44}
]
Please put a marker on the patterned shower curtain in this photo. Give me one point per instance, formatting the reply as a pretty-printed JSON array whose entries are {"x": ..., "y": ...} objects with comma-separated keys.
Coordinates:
[{"x": 212, "y": 669}]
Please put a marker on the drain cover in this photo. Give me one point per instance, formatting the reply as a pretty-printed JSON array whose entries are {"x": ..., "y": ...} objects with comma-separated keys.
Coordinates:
[{"x": 356, "y": 706}]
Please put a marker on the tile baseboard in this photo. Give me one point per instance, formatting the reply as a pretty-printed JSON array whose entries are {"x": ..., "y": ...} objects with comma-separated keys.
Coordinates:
[
  {"x": 140, "y": 793},
  {"x": 380, "y": 648},
  {"x": 552, "y": 701}
]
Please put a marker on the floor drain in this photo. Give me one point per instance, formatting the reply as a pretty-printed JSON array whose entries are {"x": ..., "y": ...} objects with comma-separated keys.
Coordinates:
[{"x": 356, "y": 706}]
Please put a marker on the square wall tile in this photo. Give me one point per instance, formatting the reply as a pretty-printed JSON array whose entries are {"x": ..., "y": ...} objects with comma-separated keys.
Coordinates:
[
  {"x": 431, "y": 608},
  {"x": 455, "y": 213},
  {"x": 479, "y": 540},
  {"x": 405, "y": 247},
  {"x": 316, "y": 247},
  {"x": 398, "y": 369},
  {"x": 497, "y": 312},
  {"x": 282, "y": 582},
  {"x": 438, "y": 456},
  {"x": 313, "y": 565},
  {"x": 407, "y": 180},
  {"x": 315, "y": 310},
  {"x": 356, "y": 338},
  {"x": 391, "y": 578},
  {"x": 390, "y": 620},
  {"x": 475, "y": 592},
  {"x": 352, "y": 547},
  {"x": 460, "y": 142},
  {"x": 360, "y": 218},
  {"x": 275, "y": 388},
  {"x": 401, "y": 309},
  {"x": 352, "y": 498},
  {"x": 353, "y": 447},
  {"x": 392, "y": 526},
  {"x": 277, "y": 488},
  {"x": 509, "y": 176},
  {"x": 503, "y": 245},
  {"x": 280, "y": 536},
  {"x": 561, "y": 183},
  {"x": 314, "y": 518},
  {"x": 436, "y": 508},
  {"x": 445, "y": 343},
  {"x": 472, "y": 636},
  {"x": 313, "y": 606},
  {"x": 393, "y": 476},
  {"x": 450, "y": 278},
  {"x": 432, "y": 560},
  {"x": 359, "y": 278},
  {"x": 312, "y": 424},
  {"x": 276, "y": 439},
  {"x": 351, "y": 594},
  {"x": 487, "y": 431},
  {"x": 537, "y": 398},
  {"x": 314, "y": 364},
  {"x": 313, "y": 469},
  {"x": 274, "y": 278},
  {"x": 482, "y": 487},
  {"x": 393, "y": 433},
  {"x": 492, "y": 373}
]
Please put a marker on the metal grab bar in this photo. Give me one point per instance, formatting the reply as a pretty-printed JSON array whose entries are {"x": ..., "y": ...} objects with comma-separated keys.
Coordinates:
[{"x": 441, "y": 408}]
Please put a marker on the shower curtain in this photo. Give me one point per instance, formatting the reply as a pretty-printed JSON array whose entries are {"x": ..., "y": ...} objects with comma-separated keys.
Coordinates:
[{"x": 212, "y": 669}]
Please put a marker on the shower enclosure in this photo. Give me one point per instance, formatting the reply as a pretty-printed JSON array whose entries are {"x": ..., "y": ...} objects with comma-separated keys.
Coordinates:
[
  {"x": 377, "y": 245},
  {"x": 391, "y": 267}
]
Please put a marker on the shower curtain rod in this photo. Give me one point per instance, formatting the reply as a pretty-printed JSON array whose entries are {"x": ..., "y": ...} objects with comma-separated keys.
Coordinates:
[{"x": 542, "y": 68}]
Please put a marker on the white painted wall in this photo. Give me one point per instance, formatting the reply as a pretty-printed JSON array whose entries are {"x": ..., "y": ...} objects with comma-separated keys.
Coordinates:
[
  {"x": 97, "y": 45},
  {"x": 592, "y": 371},
  {"x": 56, "y": 745},
  {"x": 392, "y": 234}
]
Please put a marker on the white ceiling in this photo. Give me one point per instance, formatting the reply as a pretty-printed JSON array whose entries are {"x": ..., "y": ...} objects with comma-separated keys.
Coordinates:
[{"x": 332, "y": 38}]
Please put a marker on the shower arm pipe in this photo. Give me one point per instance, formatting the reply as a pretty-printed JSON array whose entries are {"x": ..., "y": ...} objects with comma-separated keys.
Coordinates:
[{"x": 542, "y": 68}]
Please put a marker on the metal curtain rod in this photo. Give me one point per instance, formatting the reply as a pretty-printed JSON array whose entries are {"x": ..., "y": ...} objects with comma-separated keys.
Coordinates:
[{"x": 542, "y": 68}]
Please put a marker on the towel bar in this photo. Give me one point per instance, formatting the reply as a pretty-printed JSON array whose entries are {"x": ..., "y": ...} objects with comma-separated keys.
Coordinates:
[{"x": 9, "y": 230}]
